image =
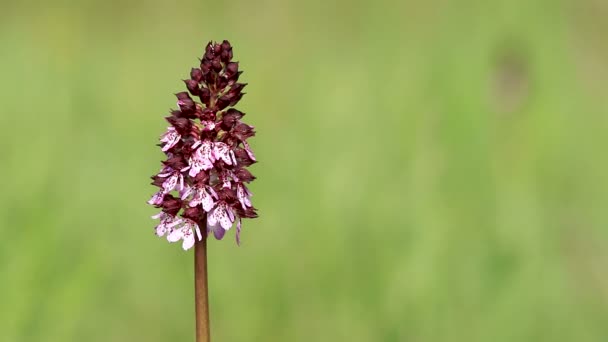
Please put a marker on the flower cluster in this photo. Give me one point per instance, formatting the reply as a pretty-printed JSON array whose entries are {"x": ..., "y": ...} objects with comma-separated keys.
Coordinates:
[{"x": 202, "y": 181}]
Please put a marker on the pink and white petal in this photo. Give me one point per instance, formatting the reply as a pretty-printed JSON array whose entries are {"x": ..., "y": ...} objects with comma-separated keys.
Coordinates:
[
  {"x": 170, "y": 140},
  {"x": 157, "y": 198},
  {"x": 172, "y": 222},
  {"x": 233, "y": 157},
  {"x": 160, "y": 230},
  {"x": 175, "y": 235},
  {"x": 207, "y": 201},
  {"x": 157, "y": 216},
  {"x": 226, "y": 184},
  {"x": 243, "y": 196},
  {"x": 170, "y": 183},
  {"x": 225, "y": 221},
  {"x": 222, "y": 151},
  {"x": 198, "y": 232},
  {"x": 197, "y": 198},
  {"x": 188, "y": 241},
  {"x": 205, "y": 152},
  {"x": 213, "y": 216},
  {"x": 208, "y": 125},
  {"x": 186, "y": 191},
  {"x": 195, "y": 167}
]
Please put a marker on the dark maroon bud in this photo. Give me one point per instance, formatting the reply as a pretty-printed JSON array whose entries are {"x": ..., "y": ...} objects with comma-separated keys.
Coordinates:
[
  {"x": 182, "y": 96},
  {"x": 208, "y": 115},
  {"x": 230, "y": 118},
  {"x": 171, "y": 205},
  {"x": 192, "y": 86},
  {"x": 235, "y": 77},
  {"x": 217, "y": 49},
  {"x": 223, "y": 102},
  {"x": 182, "y": 125},
  {"x": 242, "y": 131},
  {"x": 179, "y": 114},
  {"x": 222, "y": 83},
  {"x": 250, "y": 212},
  {"x": 176, "y": 162},
  {"x": 216, "y": 65},
  {"x": 226, "y": 45},
  {"x": 202, "y": 177},
  {"x": 225, "y": 56},
  {"x": 196, "y": 74},
  {"x": 184, "y": 102},
  {"x": 205, "y": 96},
  {"x": 194, "y": 213},
  {"x": 244, "y": 175},
  {"x": 242, "y": 157},
  {"x": 209, "y": 51},
  {"x": 158, "y": 181},
  {"x": 232, "y": 68},
  {"x": 226, "y": 194},
  {"x": 186, "y": 105},
  {"x": 205, "y": 67},
  {"x": 235, "y": 98},
  {"x": 237, "y": 88}
]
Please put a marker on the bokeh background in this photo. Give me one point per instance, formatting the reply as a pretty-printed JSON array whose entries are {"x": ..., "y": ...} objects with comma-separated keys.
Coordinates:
[{"x": 429, "y": 171}]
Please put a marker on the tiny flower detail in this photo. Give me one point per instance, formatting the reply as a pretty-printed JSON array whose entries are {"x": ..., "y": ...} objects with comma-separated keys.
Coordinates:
[
  {"x": 202, "y": 159},
  {"x": 208, "y": 125},
  {"x": 170, "y": 138},
  {"x": 176, "y": 179},
  {"x": 207, "y": 155},
  {"x": 249, "y": 151},
  {"x": 222, "y": 151},
  {"x": 167, "y": 222},
  {"x": 157, "y": 198},
  {"x": 185, "y": 232},
  {"x": 203, "y": 196},
  {"x": 222, "y": 214},
  {"x": 243, "y": 196}
]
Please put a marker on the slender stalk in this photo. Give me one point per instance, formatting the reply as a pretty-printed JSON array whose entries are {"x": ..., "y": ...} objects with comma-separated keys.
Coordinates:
[{"x": 201, "y": 297}]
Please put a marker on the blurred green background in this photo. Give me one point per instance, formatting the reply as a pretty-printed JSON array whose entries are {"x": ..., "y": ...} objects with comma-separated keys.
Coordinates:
[{"x": 430, "y": 171}]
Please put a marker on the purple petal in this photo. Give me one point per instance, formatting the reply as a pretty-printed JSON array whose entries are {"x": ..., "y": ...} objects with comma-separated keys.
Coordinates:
[
  {"x": 218, "y": 232},
  {"x": 238, "y": 232}
]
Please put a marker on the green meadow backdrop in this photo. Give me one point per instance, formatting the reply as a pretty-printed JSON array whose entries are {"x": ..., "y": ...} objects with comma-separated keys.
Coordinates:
[{"x": 429, "y": 171}]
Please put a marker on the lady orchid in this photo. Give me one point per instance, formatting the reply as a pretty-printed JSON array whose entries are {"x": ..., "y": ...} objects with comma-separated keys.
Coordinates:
[{"x": 202, "y": 184}]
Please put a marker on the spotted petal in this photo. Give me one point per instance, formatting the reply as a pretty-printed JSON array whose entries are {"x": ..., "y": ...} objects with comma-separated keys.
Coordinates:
[
  {"x": 188, "y": 239},
  {"x": 222, "y": 151},
  {"x": 221, "y": 216}
]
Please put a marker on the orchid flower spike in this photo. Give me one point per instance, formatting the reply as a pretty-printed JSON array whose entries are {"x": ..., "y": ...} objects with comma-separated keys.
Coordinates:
[{"x": 202, "y": 183}]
